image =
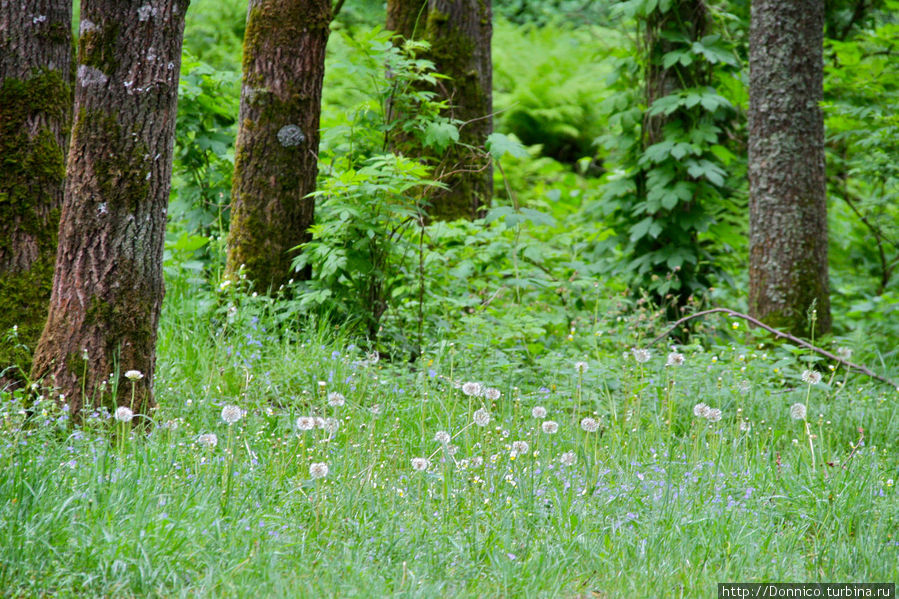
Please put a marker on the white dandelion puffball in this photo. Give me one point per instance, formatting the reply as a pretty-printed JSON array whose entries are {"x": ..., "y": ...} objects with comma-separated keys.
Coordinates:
[
  {"x": 797, "y": 411},
  {"x": 492, "y": 393},
  {"x": 581, "y": 367},
  {"x": 701, "y": 410},
  {"x": 812, "y": 377},
  {"x": 134, "y": 375},
  {"x": 305, "y": 423},
  {"x": 539, "y": 412},
  {"x": 336, "y": 399},
  {"x": 330, "y": 425},
  {"x": 124, "y": 414},
  {"x": 568, "y": 458},
  {"x": 744, "y": 387},
  {"x": 520, "y": 447},
  {"x": 844, "y": 353},
  {"x": 471, "y": 389},
  {"x": 745, "y": 426},
  {"x": 642, "y": 356},
  {"x": 481, "y": 417},
  {"x": 209, "y": 440},
  {"x": 590, "y": 425},
  {"x": 442, "y": 437},
  {"x": 550, "y": 427},
  {"x": 231, "y": 414},
  {"x": 675, "y": 359},
  {"x": 420, "y": 464},
  {"x": 318, "y": 469},
  {"x": 714, "y": 415}
]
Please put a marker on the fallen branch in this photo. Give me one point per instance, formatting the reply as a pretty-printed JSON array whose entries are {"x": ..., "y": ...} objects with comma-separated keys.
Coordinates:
[{"x": 858, "y": 367}]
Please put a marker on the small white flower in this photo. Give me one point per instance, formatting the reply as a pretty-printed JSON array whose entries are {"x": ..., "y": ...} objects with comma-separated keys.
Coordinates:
[
  {"x": 134, "y": 375},
  {"x": 482, "y": 417},
  {"x": 305, "y": 423},
  {"x": 642, "y": 356},
  {"x": 581, "y": 367},
  {"x": 520, "y": 447},
  {"x": 209, "y": 440},
  {"x": 318, "y": 469},
  {"x": 812, "y": 377},
  {"x": 714, "y": 415},
  {"x": 550, "y": 427},
  {"x": 231, "y": 414},
  {"x": 492, "y": 393},
  {"x": 701, "y": 410},
  {"x": 539, "y": 412},
  {"x": 568, "y": 458},
  {"x": 675, "y": 359},
  {"x": 797, "y": 411},
  {"x": 471, "y": 389},
  {"x": 420, "y": 464},
  {"x": 336, "y": 399},
  {"x": 124, "y": 414},
  {"x": 590, "y": 425},
  {"x": 442, "y": 437}
]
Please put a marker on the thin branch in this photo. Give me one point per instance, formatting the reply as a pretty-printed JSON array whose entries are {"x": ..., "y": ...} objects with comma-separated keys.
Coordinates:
[
  {"x": 777, "y": 333},
  {"x": 337, "y": 8}
]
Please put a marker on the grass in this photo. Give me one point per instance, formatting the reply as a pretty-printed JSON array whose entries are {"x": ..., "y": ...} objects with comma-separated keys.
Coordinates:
[{"x": 648, "y": 508}]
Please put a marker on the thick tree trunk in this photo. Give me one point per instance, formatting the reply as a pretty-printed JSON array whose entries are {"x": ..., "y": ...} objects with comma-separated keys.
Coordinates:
[
  {"x": 35, "y": 115},
  {"x": 108, "y": 286},
  {"x": 460, "y": 33},
  {"x": 276, "y": 161},
  {"x": 787, "y": 205}
]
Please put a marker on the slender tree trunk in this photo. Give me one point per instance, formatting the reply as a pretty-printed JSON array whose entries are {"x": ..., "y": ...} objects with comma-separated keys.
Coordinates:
[
  {"x": 108, "y": 285},
  {"x": 460, "y": 33},
  {"x": 787, "y": 205},
  {"x": 35, "y": 115},
  {"x": 276, "y": 161}
]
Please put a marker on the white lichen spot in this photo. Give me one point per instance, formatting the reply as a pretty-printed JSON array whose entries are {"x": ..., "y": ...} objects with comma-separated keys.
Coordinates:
[
  {"x": 145, "y": 12},
  {"x": 39, "y": 19},
  {"x": 87, "y": 26},
  {"x": 102, "y": 209},
  {"x": 171, "y": 66},
  {"x": 91, "y": 76},
  {"x": 290, "y": 136},
  {"x": 151, "y": 54}
]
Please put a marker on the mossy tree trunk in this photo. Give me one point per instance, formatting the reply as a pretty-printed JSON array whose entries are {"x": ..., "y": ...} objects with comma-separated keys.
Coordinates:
[
  {"x": 108, "y": 285},
  {"x": 35, "y": 115},
  {"x": 276, "y": 160},
  {"x": 787, "y": 205},
  {"x": 460, "y": 33}
]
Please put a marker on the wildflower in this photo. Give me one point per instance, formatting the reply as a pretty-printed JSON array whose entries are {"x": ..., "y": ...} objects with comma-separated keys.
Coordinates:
[
  {"x": 482, "y": 417},
  {"x": 539, "y": 412},
  {"x": 420, "y": 464},
  {"x": 442, "y": 437},
  {"x": 231, "y": 414},
  {"x": 844, "y": 353},
  {"x": 471, "y": 389},
  {"x": 305, "y": 423},
  {"x": 735, "y": 325},
  {"x": 812, "y": 377},
  {"x": 797, "y": 411},
  {"x": 476, "y": 461},
  {"x": 550, "y": 427},
  {"x": 520, "y": 447},
  {"x": 590, "y": 425},
  {"x": 701, "y": 410},
  {"x": 642, "y": 356},
  {"x": 134, "y": 375},
  {"x": 124, "y": 414},
  {"x": 492, "y": 393},
  {"x": 209, "y": 440},
  {"x": 890, "y": 482},
  {"x": 318, "y": 469},
  {"x": 714, "y": 415},
  {"x": 581, "y": 367},
  {"x": 336, "y": 399},
  {"x": 568, "y": 458},
  {"x": 675, "y": 359}
]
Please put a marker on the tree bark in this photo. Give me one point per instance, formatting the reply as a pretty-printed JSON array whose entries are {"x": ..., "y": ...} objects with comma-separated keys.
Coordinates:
[
  {"x": 787, "y": 204},
  {"x": 460, "y": 33},
  {"x": 35, "y": 116},
  {"x": 276, "y": 157},
  {"x": 108, "y": 285}
]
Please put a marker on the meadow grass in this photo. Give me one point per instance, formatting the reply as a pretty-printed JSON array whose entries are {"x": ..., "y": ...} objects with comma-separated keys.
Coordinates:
[{"x": 657, "y": 502}]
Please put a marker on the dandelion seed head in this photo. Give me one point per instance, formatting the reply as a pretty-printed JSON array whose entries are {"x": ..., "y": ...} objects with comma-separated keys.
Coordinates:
[
  {"x": 420, "y": 464},
  {"x": 642, "y": 356},
  {"x": 520, "y": 447},
  {"x": 134, "y": 375},
  {"x": 305, "y": 423},
  {"x": 568, "y": 458},
  {"x": 845, "y": 353},
  {"x": 471, "y": 389},
  {"x": 318, "y": 469},
  {"x": 538, "y": 412},
  {"x": 798, "y": 411},
  {"x": 336, "y": 399},
  {"x": 550, "y": 427},
  {"x": 481, "y": 417},
  {"x": 209, "y": 440},
  {"x": 590, "y": 425},
  {"x": 492, "y": 393},
  {"x": 812, "y": 377},
  {"x": 123, "y": 414},
  {"x": 675, "y": 359},
  {"x": 231, "y": 414},
  {"x": 442, "y": 437},
  {"x": 714, "y": 415},
  {"x": 701, "y": 410},
  {"x": 581, "y": 367}
]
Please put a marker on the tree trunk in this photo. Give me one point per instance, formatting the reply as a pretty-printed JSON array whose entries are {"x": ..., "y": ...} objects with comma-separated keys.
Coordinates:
[
  {"x": 35, "y": 115},
  {"x": 276, "y": 157},
  {"x": 459, "y": 32},
  {"x": 787, "y": 205},
  {"x": 108, "y": 285}
]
